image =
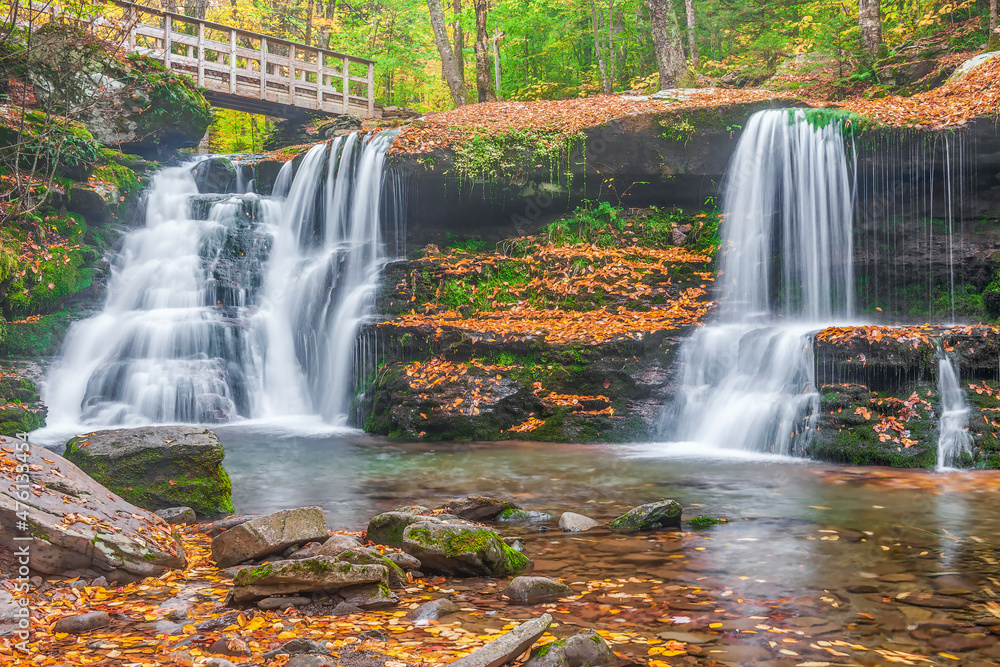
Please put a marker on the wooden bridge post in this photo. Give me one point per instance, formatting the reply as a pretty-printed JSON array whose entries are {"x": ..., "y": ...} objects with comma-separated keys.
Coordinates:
[
  {"x": 347, "y": 84},
  {"x": 263, "y": 68},
  {"x": 133, "y": 21},
  {"x": 320, "y": 78},
  {"x": 201, "y": 54},
  {"x": 167, "y": 29},
  {"x": 371, "y": 90},
  {"x": 291, "y": 74},
  {"x": 232, "y": 62}
]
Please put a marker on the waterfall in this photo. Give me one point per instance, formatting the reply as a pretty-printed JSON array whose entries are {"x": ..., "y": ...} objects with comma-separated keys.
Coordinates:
[
  {"x": 222, "y": 307},
  {"x": 786, "y": 271},
  {"x": 953, "y": 433}
]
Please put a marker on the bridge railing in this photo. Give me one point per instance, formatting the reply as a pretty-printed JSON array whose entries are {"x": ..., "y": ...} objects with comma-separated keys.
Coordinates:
[{"x": 235, "y": 63}]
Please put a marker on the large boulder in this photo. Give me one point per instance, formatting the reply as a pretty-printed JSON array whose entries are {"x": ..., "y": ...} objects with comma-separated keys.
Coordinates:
[
  {"x": 586, "y": 649},
  {"x": 133, "y": 102},
  {"x": 395, "y": 576},
  {"x": 157, "y": 467},
  {"x": 77, "y": 525},
  {"x": 320, "y": 573},
  {"x": 446, "y": 544},
  {"x": 460, "y": 548},
  {"x": 268, "y": 535},
  {"x": 661, "y": 514}
]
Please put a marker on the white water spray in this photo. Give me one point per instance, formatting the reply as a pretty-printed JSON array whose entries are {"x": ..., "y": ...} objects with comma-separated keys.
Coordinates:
[
  {"x": 748, "y": 380},
  {"x": 953, "y": 429},
  {"x": 234, "y": 306}
]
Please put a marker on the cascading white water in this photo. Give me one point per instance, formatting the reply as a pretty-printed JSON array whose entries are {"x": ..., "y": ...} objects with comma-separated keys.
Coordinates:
[
  {"x": 230, "y": 306},
  {"x": 953, "y": 429},
  {"x": 748, "y": 379}
]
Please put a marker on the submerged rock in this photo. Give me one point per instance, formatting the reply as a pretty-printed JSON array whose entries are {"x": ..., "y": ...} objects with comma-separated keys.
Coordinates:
[
  {"x": 661, "y": 514},
  {"x": 81, "y": 623},
  {"x": 507, "y": 647},
  {"x": 118, "y": 539},
  {"x": 532, "y": 590},
  {"x": 432, "y": 611},
  {"x": 157, "y": 467},
  {"x": 268, "y": 535}
]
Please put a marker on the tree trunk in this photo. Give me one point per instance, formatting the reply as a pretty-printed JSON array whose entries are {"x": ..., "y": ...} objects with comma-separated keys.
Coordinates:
[
  {"x": 484, "y": 78},
  {"x": 325, "y": 34},
  {"x": 870, "y": 22},
  {"x": 309, "y": 22},
  {"x": 666, "y": 42},
  {"x": 611, "y": 48},
  {"x": 448, "y": 65},
  {"x": 459, "y": 37},
  {"x": 994, "y": 38},
  {"x": 692, "y": 43},
  {"x": 598, "y": 53},
  {"x": 496, "y": 64}
]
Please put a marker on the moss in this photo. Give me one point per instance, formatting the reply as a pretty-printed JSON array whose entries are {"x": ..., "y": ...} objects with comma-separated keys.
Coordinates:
[
  {"x": 705, "y": 521},
  {"x": 513, "y": 560},
  {"x": 250, "y": 576},
  {"x": 512, "y": 514}
]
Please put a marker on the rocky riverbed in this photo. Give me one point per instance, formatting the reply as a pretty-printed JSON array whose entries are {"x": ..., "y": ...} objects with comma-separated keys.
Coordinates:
[{"x": 723, "y": 577}]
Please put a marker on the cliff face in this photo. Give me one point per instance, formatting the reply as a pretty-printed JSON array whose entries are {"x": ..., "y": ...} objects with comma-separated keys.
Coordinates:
[{"x": 506, "y": 186}]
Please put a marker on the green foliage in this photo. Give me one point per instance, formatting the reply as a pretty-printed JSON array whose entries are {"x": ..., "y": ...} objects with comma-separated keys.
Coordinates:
[
  {"x": 514, "y": 154},
  {"x": 238, "y": 132}
]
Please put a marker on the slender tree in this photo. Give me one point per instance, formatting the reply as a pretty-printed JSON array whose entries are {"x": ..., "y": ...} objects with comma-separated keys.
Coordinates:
[
  {"x": 484, "y": 75},
  {"x": 449, "y": 65},
  {"x": 692, "y": 44},
  {"x": 666, "y": 42},
  {"x": 459, "y": 38},
  {"x": 994, "y": 38},
  {"x": 611, "y": 48},
  {"x": 870, "y": 22},
  {"x": 598, "y": 53}
]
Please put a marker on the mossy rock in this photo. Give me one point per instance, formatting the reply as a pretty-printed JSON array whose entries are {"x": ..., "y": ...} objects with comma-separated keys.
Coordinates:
[
  {"x": 50, "y": 142},
  {"x": 21, "y": 409},
  {"x": 462, "y": 549},
  {"x": 35, "y": 338},
  {"x": 651, "y": 516},
  {"x": 158, "y": 467},
  {"x": 132, "y": 102}
]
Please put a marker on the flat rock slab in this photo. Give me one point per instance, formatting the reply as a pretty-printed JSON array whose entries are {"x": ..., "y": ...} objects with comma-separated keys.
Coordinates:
[
  {"x": 77, "y": 524},
  {"x": 286, "y": 577},
  {"x": 158, "y": 467},
  {"x": 269, "y": 534},
  {"x": 507, "y": 647},
  {"x": 933, "y": 601}
]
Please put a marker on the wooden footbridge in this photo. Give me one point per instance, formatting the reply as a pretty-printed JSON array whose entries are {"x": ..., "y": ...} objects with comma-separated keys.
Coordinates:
[{"x": 239, "y": 69}]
